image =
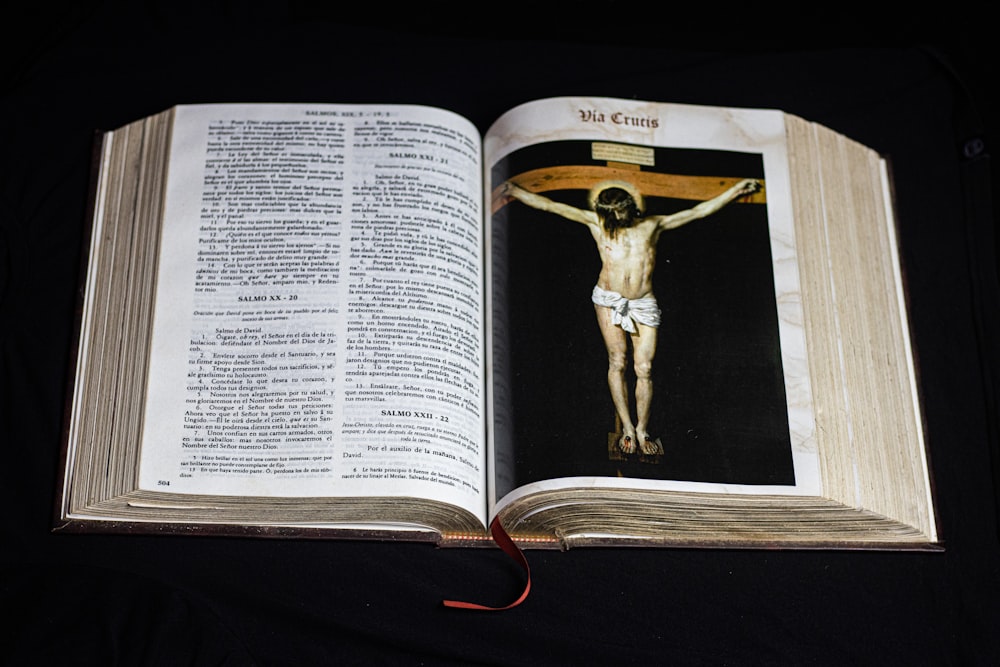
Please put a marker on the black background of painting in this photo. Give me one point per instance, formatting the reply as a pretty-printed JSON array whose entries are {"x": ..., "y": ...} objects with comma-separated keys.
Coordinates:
[
  {"x": 718, "y": 401},
  {"x": 918, "y": 86}
]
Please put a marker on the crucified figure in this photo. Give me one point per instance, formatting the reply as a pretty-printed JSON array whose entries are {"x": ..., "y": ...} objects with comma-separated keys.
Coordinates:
[{"x": 623, "y": 297}]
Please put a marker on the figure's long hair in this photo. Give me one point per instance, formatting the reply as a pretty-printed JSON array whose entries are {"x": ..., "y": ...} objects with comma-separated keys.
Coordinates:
[{"x": 617, "y": 208}]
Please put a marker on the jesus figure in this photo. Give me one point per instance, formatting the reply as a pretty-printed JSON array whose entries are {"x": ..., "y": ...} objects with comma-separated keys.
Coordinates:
[{"x": 623, "y": 297}]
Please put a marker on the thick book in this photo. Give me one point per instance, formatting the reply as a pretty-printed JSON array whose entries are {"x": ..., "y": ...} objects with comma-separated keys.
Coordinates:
[{"x": 600, "y": 322}]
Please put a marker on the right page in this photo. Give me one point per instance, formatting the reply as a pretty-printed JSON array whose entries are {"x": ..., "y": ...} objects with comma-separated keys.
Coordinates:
[{"x": 662, "y": 352}]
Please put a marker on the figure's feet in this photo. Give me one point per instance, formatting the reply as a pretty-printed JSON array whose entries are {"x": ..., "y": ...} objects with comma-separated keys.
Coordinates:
[
  {"x": 647, "y": 446},
  {"x": 627, "y": 444}
]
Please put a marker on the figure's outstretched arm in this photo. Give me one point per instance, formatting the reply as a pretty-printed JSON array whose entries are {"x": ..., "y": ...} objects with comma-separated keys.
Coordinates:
[
  {"x": 747, "y": 186},
  {"x": 545, "y": 204}
]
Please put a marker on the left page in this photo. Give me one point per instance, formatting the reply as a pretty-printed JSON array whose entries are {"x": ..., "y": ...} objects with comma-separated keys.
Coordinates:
[{"x": 318, "y": 320}]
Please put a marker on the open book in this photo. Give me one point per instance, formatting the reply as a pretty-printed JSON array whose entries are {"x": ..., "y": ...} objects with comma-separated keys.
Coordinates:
[{"x": 602, "y": 322}]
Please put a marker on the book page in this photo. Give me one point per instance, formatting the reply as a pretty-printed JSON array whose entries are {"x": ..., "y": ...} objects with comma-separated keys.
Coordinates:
[
  {"x": 711, "y": 388},
  {"x": 318, "y": 321}
]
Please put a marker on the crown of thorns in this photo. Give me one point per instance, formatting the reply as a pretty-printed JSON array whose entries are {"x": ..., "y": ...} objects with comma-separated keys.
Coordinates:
[{"x": 640, "y": 203}]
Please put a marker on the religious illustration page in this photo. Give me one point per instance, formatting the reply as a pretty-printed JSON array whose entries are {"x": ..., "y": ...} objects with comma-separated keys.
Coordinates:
[{"x": 645, "y": 302}]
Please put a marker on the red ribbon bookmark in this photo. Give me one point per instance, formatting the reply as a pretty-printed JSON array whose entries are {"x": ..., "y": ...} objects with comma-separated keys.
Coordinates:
[{"x": 503, "y": 540}]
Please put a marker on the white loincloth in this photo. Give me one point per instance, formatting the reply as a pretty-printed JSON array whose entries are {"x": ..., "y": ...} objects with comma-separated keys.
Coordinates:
[{"x": 626, "y": 312}]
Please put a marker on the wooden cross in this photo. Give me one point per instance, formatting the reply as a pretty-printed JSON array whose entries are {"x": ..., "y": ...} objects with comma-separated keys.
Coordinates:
[{"x": 650, "y": 184}]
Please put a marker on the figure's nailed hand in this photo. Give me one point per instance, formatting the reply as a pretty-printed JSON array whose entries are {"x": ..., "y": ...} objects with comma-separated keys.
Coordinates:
[{"x": 750, "y": 185}]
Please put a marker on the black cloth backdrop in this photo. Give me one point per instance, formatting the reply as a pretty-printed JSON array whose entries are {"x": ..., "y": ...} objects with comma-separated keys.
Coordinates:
[{"x": 128, "y": 600}]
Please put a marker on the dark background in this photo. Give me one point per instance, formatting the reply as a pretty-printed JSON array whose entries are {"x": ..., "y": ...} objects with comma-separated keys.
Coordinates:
[{"x": 912, "y": 87}]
